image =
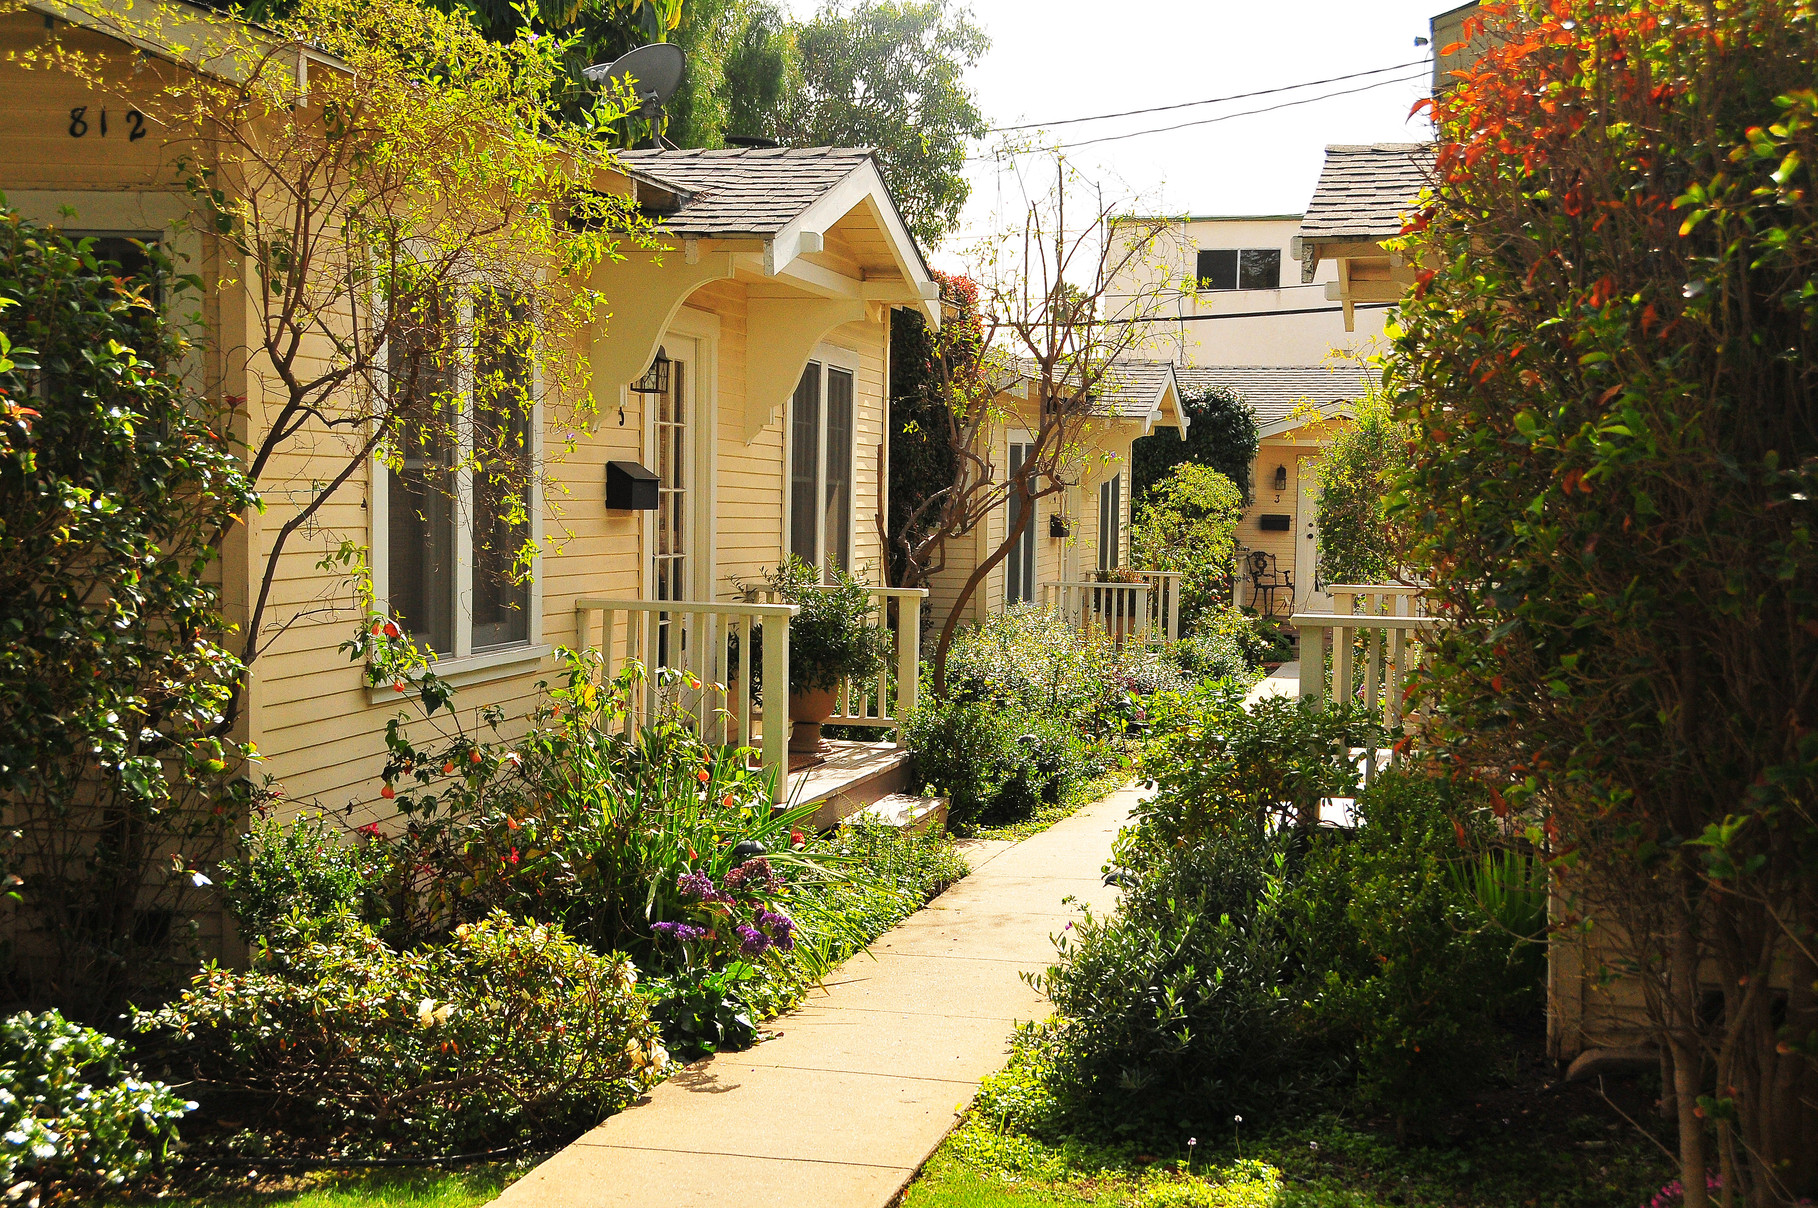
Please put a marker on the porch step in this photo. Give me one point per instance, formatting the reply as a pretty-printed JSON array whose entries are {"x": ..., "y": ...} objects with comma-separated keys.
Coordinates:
[
  {"x": 905, "y": 812},
  {"x": 853, "y": 776}
]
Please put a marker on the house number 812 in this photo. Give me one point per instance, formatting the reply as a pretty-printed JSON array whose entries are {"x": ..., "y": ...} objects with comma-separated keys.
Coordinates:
[{"x": 79, "y": 125}]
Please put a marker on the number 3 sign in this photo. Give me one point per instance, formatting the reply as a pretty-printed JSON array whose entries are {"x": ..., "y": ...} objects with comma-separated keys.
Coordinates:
[{"x": 79, "y": 125}]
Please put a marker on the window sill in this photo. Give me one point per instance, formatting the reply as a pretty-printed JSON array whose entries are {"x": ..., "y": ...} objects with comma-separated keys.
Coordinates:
[{"x": 474, "y": 669}]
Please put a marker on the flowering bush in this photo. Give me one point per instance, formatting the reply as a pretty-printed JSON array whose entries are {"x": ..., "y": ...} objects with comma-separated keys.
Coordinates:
[
  {"x": 73, "y": 1113},
  {"x": 578, "y": 822},
  {"x": 509, "y": 1030}
]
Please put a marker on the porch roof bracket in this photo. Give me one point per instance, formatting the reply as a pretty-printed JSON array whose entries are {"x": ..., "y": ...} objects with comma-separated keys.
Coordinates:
[
  {"x": 780, "y": 336},
  {"x": 645, "y": 296}
]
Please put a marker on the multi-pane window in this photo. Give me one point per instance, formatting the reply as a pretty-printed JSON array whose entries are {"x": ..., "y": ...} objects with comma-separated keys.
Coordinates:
[
  {"x": 820, "y": 468},
  {"x": 1019, "y": 572},
  {"x": 457, "y": 507},
  {"x": 1239, "y": 268},
  {"x": 1110, "y": 520}
]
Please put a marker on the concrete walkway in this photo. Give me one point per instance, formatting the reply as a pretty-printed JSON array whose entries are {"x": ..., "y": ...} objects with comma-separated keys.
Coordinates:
[
  {"x": 862, "y": 1083},
  {"x": 1283, "y": 681}
]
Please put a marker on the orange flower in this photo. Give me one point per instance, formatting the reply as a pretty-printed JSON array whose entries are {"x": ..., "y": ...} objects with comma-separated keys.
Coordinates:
[
  {"x": 702, "y": 776},
  {"x": 387, "y": 792}
]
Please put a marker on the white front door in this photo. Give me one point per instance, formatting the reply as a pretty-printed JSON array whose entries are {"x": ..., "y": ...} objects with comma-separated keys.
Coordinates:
[{"x": 1309, "y": 589}]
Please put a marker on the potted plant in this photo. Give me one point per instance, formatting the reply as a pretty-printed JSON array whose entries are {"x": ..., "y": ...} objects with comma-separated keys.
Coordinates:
[{"x": 831, "y": 640}]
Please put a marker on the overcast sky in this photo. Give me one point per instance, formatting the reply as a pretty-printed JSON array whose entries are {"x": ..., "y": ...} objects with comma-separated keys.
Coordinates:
[{"x": 1054, "y": 59}]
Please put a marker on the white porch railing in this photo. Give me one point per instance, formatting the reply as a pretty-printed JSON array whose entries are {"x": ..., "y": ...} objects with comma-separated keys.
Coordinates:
[
  {"x": 1135, "y": 609},
  {"x": 879, "y": 703},
  {"x": 1390, "y": 618},
  {"x": 711, "y": 642}
]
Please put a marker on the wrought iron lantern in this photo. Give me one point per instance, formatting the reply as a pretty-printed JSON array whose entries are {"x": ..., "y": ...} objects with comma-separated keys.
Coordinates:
[
  {"x": 656, "y": 378},
  {"x": 1281, "y": 475}
]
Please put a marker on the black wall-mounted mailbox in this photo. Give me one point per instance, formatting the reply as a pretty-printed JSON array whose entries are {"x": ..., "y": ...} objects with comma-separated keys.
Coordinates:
[
  {"x": 630, "y": 487},
  {"x": 1276, "y": 523},
  {"x": 1058, "y": 526}
]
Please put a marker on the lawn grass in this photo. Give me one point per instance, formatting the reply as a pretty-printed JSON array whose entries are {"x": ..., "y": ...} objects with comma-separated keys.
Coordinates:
[
  {"x": 1571, "y": 1157},
  {"x": 466, "y": 1188}
]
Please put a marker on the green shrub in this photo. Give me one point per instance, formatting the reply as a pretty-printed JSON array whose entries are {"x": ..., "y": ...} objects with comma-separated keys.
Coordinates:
[
  {"x": 1180, "y": 1009},
  {"x": 1413, "y": 966},
  {"x": 74, "y": 1114},
  {"x": 509, "y": 1030},
  {"x": 1223, "y": 643},
  {"x": 1256, "y": 966},
  {"x": 964, "y": 750},
  {"x": 304, "y": 865}
]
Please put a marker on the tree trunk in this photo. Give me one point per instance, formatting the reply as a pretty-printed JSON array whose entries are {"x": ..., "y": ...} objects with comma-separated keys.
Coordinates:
[{"x": 971, "y": 587}]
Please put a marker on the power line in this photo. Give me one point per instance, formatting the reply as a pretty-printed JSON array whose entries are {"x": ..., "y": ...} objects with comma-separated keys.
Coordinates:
[
  {"x": 1252, "y": 314},
  {"x": 1216, "y": 100},
  {"x": 1204, "y": 121}
]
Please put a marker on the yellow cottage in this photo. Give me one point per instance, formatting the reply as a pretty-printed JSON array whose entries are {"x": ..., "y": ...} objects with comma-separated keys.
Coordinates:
[
  {"x": 741, "y": 381},
  {"x": 1083, "y": 532}
]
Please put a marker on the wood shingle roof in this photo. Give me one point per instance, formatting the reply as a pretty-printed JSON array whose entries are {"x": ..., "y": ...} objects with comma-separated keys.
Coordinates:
[{"x": 1365, "y": 189}]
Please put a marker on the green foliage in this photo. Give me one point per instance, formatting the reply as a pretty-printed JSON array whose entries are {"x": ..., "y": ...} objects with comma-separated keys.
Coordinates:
[
  {"x": 1221, "y": 435},
  {"x": 923, "y": 460},
  {"x": 1223, "y": 643},
  {"x": 509, "y": 1030},
  {"x": 1357, "y": 542},
  {"x": 1244, "y": 1184},
  {"x": 760, "y": 69},
  {"x": 1187, "y": 522},
  {"x": 114, "y": 486},
  {"x": 1413, "y": 965},
  {"x": 303, "y": 866},
  {"x": 1611, "y": 484},
  {"x": 74, "y": 1115},
  {"x": 836, "y": 635},
  {"x": 1257, "y": 965},
  {"x": 890, "y": 74}
]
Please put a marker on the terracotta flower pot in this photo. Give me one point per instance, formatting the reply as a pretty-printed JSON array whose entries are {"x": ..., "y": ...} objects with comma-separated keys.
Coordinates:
[{"x": 808, "y": 710}]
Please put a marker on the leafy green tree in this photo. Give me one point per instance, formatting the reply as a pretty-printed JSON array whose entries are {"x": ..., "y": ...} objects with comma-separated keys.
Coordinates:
[
  {"x": 1221, "y": 434},
  {"x": 890, "y": 74},
  {"x": 760, "y": 69},
  {"x": 116, "y": 488},
  {"x": 359, "y": 226},
  {"x": 1608, "y": 364},
  {"x": 1188, "y": 523},
  {"x": 1358, "y": 543}
]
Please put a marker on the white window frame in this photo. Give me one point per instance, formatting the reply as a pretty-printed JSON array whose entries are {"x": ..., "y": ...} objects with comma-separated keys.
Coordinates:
[
  {"x": 464, "y": 665},
  {"x": 827, "y": 356}
]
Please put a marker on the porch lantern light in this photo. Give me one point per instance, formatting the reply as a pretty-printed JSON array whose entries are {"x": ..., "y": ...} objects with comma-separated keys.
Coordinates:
[
  {"x": 656, "y": 378},
  {"x": 1059, "y": 526},
  {"x": 1281, "y": 481}
]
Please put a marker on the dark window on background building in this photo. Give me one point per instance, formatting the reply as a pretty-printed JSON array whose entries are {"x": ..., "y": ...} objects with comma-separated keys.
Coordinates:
[{"x": 1239, "y": 268}]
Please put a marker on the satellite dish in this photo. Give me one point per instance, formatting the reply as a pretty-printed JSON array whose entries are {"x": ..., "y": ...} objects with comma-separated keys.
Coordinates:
[{"x": 655, "y": 72}]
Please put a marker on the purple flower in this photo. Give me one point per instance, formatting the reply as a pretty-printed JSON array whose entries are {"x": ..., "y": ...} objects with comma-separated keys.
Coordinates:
[
  {"x": 679, "y": 932},
  {"x": 780, "y": 926},
  {"x": 697, "y": 885},
  {"x": 752, "y": 942},
  {"x": 752, "y": 874}
]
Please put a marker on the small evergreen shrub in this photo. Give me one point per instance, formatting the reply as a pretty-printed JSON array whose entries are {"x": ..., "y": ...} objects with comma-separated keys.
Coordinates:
[
  {"x": 74, "y": 1114},
  {"x": 510, "y": 1030}
]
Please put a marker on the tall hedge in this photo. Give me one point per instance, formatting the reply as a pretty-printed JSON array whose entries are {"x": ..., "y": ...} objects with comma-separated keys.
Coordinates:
[
  {"x": 1610, "y": 360},
  {"x": 1221, "y": 433}
]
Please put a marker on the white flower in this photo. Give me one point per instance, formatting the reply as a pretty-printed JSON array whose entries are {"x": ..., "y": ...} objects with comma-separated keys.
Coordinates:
[
  {"x": 635, "y": 1051},
  {"x": 659, "y": 1056},
  {"x": 199, "y": 880},
  {"x": 426, "y": 1012},
  {"x": 443, "y": 1012}
]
